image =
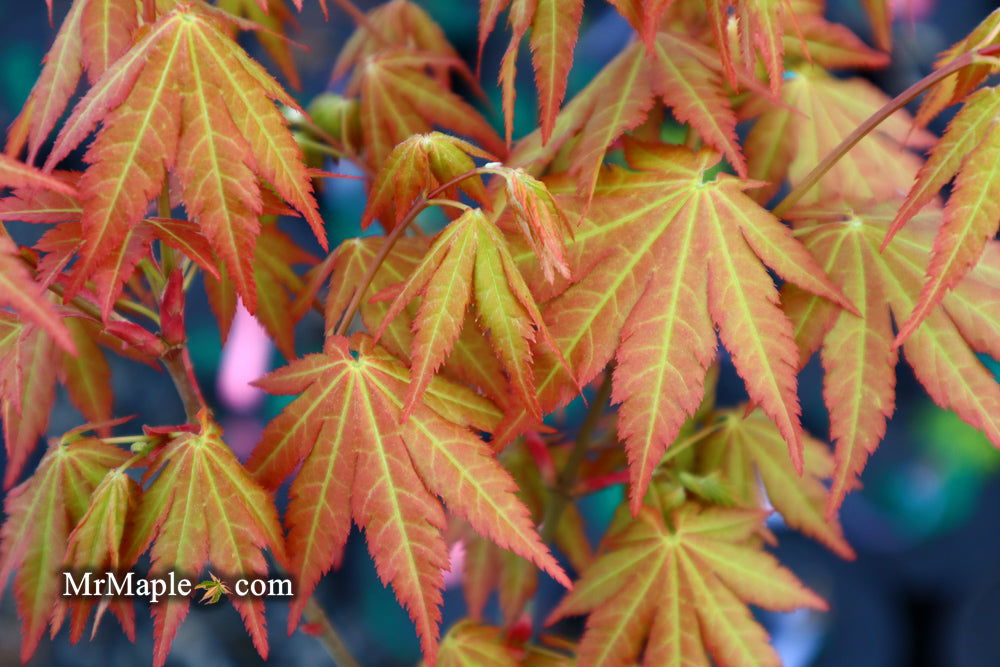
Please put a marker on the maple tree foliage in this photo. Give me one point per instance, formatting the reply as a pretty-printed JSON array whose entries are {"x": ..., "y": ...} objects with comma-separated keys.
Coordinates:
[{"x": 617, "y": 255}]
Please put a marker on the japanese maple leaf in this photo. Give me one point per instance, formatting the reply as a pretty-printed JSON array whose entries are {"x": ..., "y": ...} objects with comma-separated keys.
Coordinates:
[
  {"x": 554, "y": 26},
  {"x": 666, "y": 256},
  {"x": 276, "y": 285},
  {"x": 969, "y": 152},
  {"x": 14, "y": 174},
  {"x": 92, "y": 36},
  {"x": 186, "y": 98},
  {"x": 677, "y": 69},
  {"x": 29, "y": 366},
  {"x": 359, "y": 460},
  {"x": 880, "y": 16},
  {"x": 471, "y": 360},
  {"x": 416, "y": 166},
  {"x": 18, "y": 290},
  {"x": 401, "y": 75},
  {"x": 274, "y": 17},
  {"x": 41, "y": 513},
  {"x": 203, "y": 507},
  {"x": 760, "y": 27},
  {"x": 751, "y": 455},
  {"x": 95, "y": 546},
  {"x": 469, "y": 643},
  {"x": 810, "y": 37},
  {"x": 60, "y": 243},
  {"x": 956, "y": 87},
  {"x": 682, "y": 591},
  {"x": 786, "y": 142},
  {"x": 858, "y": 354},
  {"x": 468, "y": 262}
]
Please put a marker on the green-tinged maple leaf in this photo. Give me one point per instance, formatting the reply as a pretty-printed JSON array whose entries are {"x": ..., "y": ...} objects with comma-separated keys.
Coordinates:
[
  {"x": 760, "y": 28},
  {"x": 273, "y": 16},
  {"x": 810, "y": 37},
  {"x": 685, "y": 74},
  {"x": 41, "y": 513},
  {"x": 471, "y": 359},
  {"x": 186, "y": 98},
  {"x": 416, "y": 166},
  {"x": 276, "y": 285},
  {"x": 59, "y": 244},
  {"x": 857, "y": 352},
  {"x": 681, "y": 589},
  {"x": 214, "y": 589},
  {"x": 487, "y": 568},
  {"x": 92, "y": 36},
  {"x": 663, "y": 255},
  {"x": 401, "y": 75},
  {"x": 469, "y": 262},
  {"x": 880, "y": 16},
  {"x": 955, "y": 87},
  {"x": 86, "y": 374},
  {"x": 396, "y": 23},
  {"x": 554, "y": 26},
  {"x": 359, "y": 461},
  {"x": 95, "y": 546},
  {"x": 30, "y": 364},
  {"x": 786, "y": 142},
  {"x": 752, "y": 457},
  {"x": 969, "y": 152},
  {"x": 203, "y": 507},
  {"x": 18, "y": 290},
  {"x": 468, "y": 644}
]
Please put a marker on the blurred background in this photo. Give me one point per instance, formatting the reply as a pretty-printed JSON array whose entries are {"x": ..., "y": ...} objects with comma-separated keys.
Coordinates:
[{"x": 924, "y": 590}]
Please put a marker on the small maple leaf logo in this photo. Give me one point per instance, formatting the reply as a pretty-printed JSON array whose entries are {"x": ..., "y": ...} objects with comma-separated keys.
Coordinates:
[{"x": 214, "y": 589}]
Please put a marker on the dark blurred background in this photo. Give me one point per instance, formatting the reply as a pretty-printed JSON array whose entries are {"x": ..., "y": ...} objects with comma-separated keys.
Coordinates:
[{"x": 924, "y": 590}]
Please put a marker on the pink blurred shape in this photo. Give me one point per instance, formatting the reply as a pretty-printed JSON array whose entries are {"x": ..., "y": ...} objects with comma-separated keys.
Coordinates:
[
  {"x": 911, "y": 10},
  {"x": 245, "y": 358},
  {"x": 456, "y": 558}
]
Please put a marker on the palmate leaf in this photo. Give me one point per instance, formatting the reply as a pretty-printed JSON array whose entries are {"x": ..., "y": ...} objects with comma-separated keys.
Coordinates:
[
  {"x": 468, "y": 644},
  {"x": 677, "y": 69},
  {"x": 276, "y": 285},
  {"x": 203, "y": 507},
  {"x": 969, "y": 152},
  {"x": 418, "y": 165},
  {"x": 664, "y": 254},
  {"x": 858, "y": 354},
  {"x": 554, "y": 26},
  {"x": 60, "y": 243},
  {"x": 810, "y": 37},
  {"x": 95, "y": 546},
  {"x": 786, "y": 142},
  {"x": 956, "y": 87},
  {"x": 401, "y": 75},
  {"x": 751, "y": 455},
  {"x": 14, "y": 174},
  {"x": 92, "y": 36},
  {"x": 29, "y": 365},
  {"x": 185, "y": 98},
  {"x": 41, "y": 513},
  {"x": 471, "y": 359},
  {"x": 18, "y": 290},
  {"x": 360, "y": 461},
  {"x": 682, "y": 591},
  {"x": 469, "y": 262}
]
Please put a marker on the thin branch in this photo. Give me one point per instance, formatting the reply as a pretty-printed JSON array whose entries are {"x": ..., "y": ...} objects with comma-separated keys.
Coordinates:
[
  {"x": 862, "y": 130},
  {"x": 177, "y": 361},
  {"x": 334, "y": 645}
]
